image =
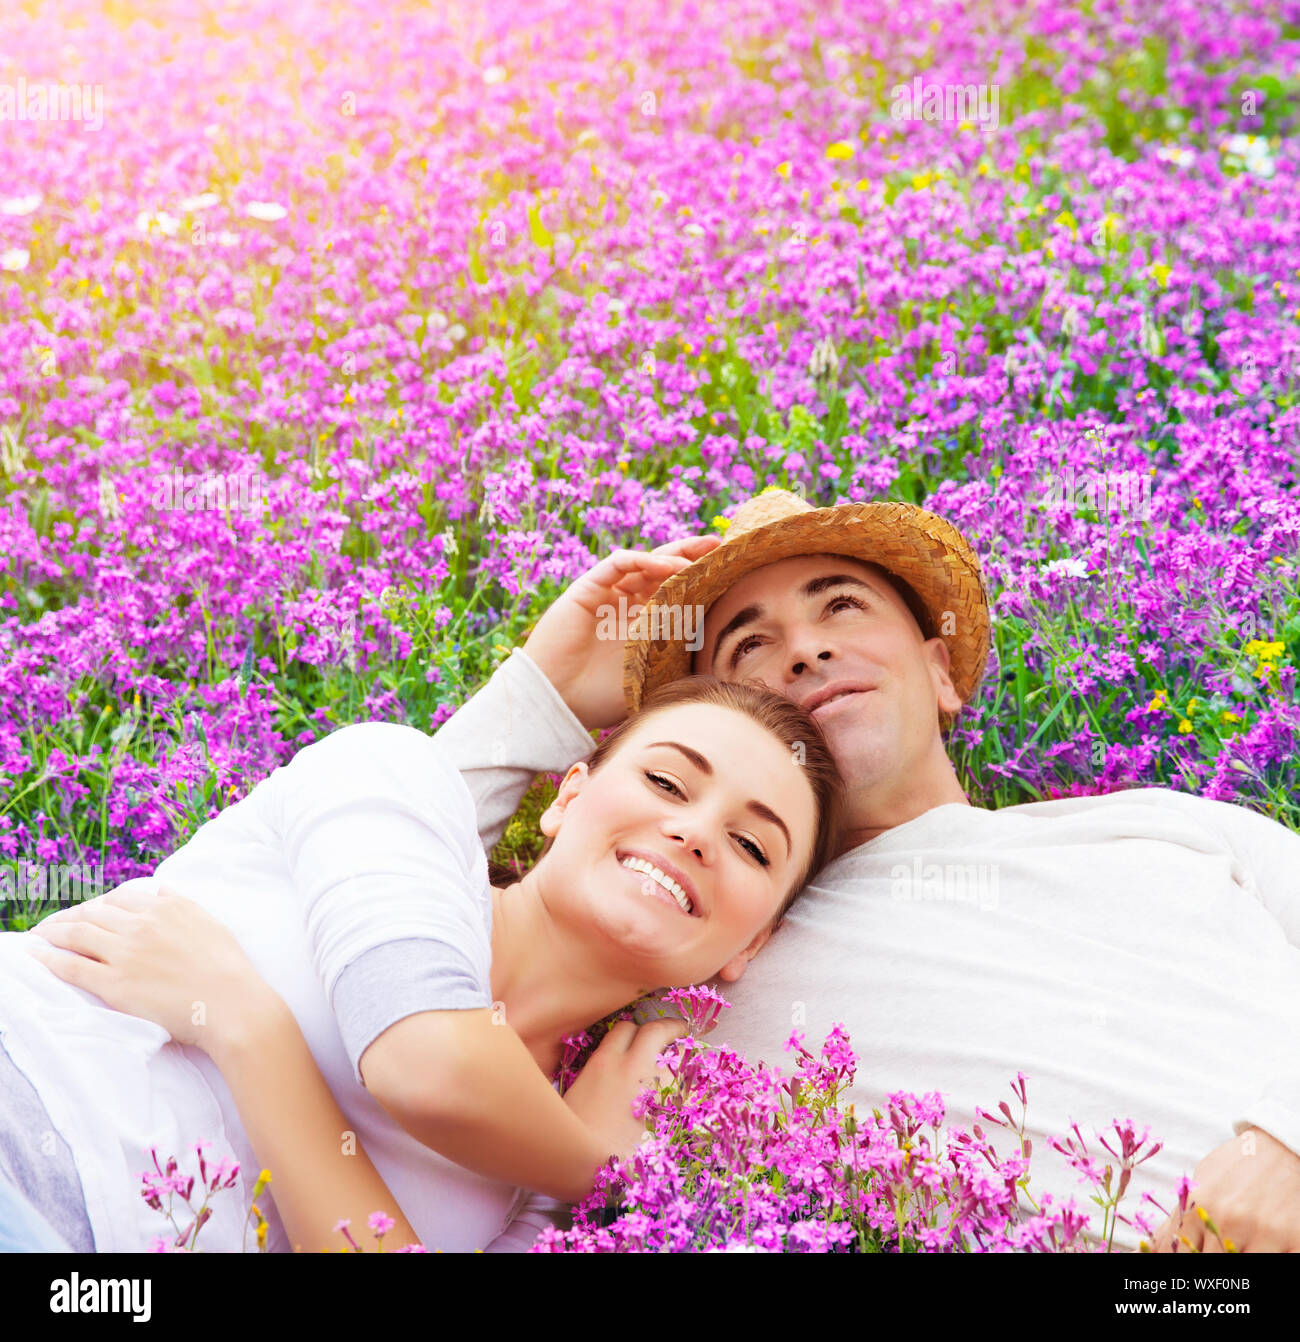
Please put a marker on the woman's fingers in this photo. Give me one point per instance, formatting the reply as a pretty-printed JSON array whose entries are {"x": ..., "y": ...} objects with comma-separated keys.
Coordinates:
[
  {"x": 84, "y": 937},
  {"x": 78, "y": 970}
]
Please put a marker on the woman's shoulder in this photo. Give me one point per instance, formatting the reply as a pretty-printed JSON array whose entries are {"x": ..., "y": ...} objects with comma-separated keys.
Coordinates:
[{"x": 389, "y": 756}]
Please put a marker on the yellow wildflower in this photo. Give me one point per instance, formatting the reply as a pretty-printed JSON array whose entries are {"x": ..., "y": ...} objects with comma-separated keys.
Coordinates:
[
  {"x": 1161, "y": 273},
  {"x": 1227, "y": 717},
  {"x": 841, "y": 149},
  {"x": 1157, "y": 703},
  {"x": 721, "y": 523},
  {"x": 1191, "y": 706},
  {"x": 783, "y": 169},
  {"x": 1184, "y": 726}
]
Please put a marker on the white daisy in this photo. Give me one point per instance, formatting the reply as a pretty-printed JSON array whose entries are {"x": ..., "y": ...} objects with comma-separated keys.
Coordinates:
[
  {"x": 166, "y": 224},
  {"x": 15, "y": 258},
  {"x": 20, "y": 205},
  {"x": 193, "y": 204},
  {"x": 266, "y": 210}
]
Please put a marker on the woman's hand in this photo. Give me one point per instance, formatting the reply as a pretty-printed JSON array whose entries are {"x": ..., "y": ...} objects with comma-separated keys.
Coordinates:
[
  {"x": 157, "y": 956},
  {"x": 620, "y": 1068},
  {"x": 585, "y": 668}
]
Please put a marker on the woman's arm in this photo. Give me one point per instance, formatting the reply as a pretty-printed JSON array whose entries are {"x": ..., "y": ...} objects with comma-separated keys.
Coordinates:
[{"x": 139, "y": 952}]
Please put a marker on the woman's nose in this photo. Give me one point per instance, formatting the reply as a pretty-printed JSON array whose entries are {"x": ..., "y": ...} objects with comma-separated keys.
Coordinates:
[{"x": 690, "y": 835}]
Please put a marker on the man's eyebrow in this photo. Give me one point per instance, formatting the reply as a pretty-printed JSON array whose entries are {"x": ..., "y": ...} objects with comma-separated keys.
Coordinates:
[
  {"x": 745, "y": 616},
  {"x": 758, "y": 808},
  {"x": 812, "y": 588},
  {"x": 819, "y": 585}
]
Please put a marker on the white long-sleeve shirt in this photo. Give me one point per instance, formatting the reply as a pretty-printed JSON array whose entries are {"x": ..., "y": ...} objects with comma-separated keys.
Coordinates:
[
  {"x": 355, "y": 882},
  {"x": 1136, "y": 955}
]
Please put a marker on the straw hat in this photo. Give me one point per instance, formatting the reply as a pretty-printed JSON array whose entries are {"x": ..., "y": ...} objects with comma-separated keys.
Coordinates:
[{"x": 927, "y": 553}]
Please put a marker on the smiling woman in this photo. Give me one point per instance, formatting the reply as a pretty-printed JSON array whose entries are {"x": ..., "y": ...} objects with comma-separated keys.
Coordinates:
[{"x": 359, "y": 975}]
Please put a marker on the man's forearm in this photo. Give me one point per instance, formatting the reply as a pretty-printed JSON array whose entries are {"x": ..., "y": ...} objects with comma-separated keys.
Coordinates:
[{"x": 514, "y": 728}]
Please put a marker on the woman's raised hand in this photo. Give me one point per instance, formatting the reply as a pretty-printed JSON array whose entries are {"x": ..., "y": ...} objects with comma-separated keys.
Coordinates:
[
  {"x": 568, "y": 642},
  {"x": 158, "y": 956},
  {"x": 620, "y": 1068}
]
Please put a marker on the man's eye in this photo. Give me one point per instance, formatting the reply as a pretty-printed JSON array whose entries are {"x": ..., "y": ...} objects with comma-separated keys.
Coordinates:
[
  {"x": 664, "y": 784},
  {"x": 741, "y": 648},
  {"x": 845, "y": 601},
  {"x": 753, "y": 848}
]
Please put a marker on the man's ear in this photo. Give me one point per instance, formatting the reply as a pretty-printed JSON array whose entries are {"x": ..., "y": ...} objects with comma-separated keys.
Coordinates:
[
  {"x": 735, "y": 967},
  {"x": 573, "y": 783},
  {"x": 936, "y": 651}
]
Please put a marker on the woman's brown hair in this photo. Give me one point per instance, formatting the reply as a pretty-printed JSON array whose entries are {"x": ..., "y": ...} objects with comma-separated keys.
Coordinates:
[{"x": 790, "y": 724}]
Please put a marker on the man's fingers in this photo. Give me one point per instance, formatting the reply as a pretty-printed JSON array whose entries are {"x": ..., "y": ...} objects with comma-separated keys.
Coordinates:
[{"x": 692, "y": 547}]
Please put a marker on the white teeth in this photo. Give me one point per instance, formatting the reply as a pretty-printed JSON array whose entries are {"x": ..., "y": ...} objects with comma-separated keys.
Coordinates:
[{"x": 661, "y": 878}]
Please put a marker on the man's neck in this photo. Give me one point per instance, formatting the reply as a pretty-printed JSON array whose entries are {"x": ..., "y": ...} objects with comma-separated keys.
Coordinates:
[{"x": 873, "y": 811}]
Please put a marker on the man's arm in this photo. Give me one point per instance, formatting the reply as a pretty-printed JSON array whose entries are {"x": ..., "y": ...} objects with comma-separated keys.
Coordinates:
[
  {"x": 514, "y": 728},
  {"x": 535, "y": 713},
  {"x": 1250, "y": 1185}
]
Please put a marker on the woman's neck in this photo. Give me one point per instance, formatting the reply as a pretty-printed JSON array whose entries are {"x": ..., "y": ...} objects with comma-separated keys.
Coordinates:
[{"x": 549, "y": 981}]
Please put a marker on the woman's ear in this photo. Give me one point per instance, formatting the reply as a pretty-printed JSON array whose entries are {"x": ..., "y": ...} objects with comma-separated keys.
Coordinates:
[
  {"x": 574, "y": 781},
  {"x": 735, "y": 967}
]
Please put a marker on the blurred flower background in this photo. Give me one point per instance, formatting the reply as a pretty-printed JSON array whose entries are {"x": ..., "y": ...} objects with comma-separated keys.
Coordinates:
[{"x": 336, "y": 338}]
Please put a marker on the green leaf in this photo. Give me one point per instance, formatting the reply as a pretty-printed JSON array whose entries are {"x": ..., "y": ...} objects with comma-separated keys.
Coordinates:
[
  {"x": 537, "y": 230},
  {"x": 477, "y": 270}
]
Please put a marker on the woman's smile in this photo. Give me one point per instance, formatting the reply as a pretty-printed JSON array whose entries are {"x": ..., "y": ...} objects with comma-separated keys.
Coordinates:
[{"x": 659, "y": 878}]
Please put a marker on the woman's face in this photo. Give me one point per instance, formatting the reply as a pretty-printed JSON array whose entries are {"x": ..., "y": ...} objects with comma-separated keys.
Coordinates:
[{"x": 674, "y": 857}]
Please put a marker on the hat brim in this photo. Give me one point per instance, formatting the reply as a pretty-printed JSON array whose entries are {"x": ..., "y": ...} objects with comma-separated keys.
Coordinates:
[{"x": 928, "y": 553}]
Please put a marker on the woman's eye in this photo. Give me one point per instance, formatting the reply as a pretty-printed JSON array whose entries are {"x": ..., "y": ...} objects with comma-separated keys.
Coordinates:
[
  {"x": 750, "y": 846},
  {"x": 664, "y": 784}
]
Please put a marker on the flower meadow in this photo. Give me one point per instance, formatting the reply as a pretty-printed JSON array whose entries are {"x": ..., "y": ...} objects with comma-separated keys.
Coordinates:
[
  {"x": 740, "y": 1158},
  {"x": 351, "y": 335},
  {"x": 336, "y": 339},
  {"x": 744, "y": 1158}
]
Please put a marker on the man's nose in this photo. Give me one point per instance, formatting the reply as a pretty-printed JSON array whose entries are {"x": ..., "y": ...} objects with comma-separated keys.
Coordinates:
[{"x": 808, "y": 650}]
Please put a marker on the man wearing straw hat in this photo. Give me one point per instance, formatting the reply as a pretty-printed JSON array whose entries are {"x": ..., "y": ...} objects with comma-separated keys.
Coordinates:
[{"x": 1135, "y": 955}]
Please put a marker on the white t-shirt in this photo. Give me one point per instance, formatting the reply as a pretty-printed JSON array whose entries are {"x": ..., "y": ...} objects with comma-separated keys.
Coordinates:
[
  {"x": 354, "y": 876},
  {"x": 1136, "y": 955}
]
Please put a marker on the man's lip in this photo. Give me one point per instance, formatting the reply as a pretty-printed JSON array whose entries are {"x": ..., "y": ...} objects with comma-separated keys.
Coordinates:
[
  {"x": 827, "y": 692},
  {"x": 668, "y": 869}
]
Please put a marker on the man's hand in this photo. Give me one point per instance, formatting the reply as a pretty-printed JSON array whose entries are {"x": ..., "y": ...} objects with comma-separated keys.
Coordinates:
[
  {"x": 1250, "y": 1188},
  {"x": 566, "y": 645}
]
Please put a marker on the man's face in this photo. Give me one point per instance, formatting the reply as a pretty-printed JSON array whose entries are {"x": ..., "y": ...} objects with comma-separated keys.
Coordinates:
[{"x": 835, "y": 636}]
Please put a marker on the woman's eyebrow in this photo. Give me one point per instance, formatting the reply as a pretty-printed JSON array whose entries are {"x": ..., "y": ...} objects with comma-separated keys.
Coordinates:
[{"x": 757, "y": 807}]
